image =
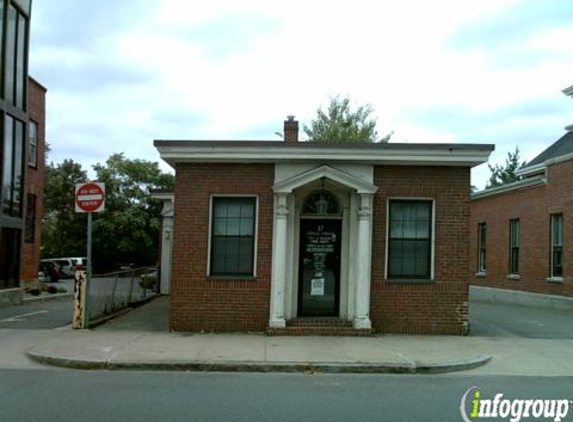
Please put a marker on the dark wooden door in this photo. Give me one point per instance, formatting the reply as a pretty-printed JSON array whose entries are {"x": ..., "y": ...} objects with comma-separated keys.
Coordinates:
[{"x": 319, "y": 271}]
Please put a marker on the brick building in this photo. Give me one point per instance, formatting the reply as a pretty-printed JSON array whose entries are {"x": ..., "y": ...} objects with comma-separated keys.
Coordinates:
[
  {"x": 521, "y": 232},
  {"x": 302, "y": 237},
  {"x": 34, "y": 183}
]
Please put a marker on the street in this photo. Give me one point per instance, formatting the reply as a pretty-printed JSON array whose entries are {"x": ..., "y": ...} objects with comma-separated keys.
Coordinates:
[
  {"x": 32, "y": 392},
  {"x": 89, "y": 396},
  {"x": 37, "y": 315}
]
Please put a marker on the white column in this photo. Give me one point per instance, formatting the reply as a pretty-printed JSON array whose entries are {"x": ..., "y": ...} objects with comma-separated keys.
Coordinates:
[
  {"x": 166, "y": 247},
  {"x": 363, "y": 254},
  {"x": 278, "y": 282}
]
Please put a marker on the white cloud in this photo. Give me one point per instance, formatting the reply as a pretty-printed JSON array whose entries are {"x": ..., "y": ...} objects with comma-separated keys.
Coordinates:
[{"x": 226, "y": 69}]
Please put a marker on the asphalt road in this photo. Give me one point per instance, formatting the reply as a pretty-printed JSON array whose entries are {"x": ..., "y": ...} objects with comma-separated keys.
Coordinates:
[
  {"x": 489, "y": 320},
  {"x": 486, "y": 319},
  {"x": 37, "y": 315},
  {"x": 165, "y": 396}
]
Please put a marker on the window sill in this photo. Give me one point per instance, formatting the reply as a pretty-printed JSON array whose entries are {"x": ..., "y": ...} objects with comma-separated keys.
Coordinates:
[
  {"x": 555, "y": 280},
  {"x": 481, "y": 274},
  {"x": 513, "y": 277},
  {"x": 409, "y": 280},
  {"x": 230, "y": 278}
]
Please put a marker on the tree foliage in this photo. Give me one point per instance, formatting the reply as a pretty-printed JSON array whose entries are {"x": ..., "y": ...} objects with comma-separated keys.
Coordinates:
[
  {"x": 127, "y": 231},
  {"x": 342, "y": 124},
  {"x": 63, "y": 230},
  {"x": 500, "y": 175}
]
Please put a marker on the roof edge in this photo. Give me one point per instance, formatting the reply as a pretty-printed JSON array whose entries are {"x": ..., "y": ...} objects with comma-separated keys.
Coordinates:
[{"x": 510, "y": 187}]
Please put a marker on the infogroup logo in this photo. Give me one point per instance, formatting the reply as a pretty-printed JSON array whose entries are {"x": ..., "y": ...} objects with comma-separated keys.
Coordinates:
[{"x": 473, "y": 407}]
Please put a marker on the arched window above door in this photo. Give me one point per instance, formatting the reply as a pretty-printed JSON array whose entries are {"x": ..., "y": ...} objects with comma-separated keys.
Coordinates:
[{"x": 321, "y": 203}]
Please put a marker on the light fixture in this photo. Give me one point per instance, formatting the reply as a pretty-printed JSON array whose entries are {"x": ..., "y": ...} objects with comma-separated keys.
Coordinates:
[{"x": 322, "y": 203}]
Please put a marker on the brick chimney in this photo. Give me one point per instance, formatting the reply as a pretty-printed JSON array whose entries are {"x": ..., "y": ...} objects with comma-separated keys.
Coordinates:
[{"x": 291, "y": 130}]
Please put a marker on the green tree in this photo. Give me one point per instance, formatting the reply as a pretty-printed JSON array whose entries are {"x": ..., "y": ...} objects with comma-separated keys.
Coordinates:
[
  {"x": 500, "y": 175},
  {"x": 342, "y": 124},
  {"x": 128, "y": 230},
  {"x": 63, "y": 230}
]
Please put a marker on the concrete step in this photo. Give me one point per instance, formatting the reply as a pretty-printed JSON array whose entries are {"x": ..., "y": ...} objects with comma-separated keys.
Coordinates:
[
  {"x": 319, "y": 322},
  {"x": 320, "y": 331}
]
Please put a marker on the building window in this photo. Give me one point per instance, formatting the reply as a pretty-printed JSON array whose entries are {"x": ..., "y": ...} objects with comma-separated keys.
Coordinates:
[
  {"x": 15, "y": 71},
  {"x": 233, "y": 236},
  {"x": 410, "y": 239},
  {"x": 514, "y": 246},
  {"x": 30, "y": 233},
  {"x": 557, "y": 245},
  {"x": 12, "y": 165},
  {"x": 482, "y": 234},
  {"x": 33, "y": 144}
]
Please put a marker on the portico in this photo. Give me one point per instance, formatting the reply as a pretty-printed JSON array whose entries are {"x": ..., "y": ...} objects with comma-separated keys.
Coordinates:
[{"x": 347, "y": 282}]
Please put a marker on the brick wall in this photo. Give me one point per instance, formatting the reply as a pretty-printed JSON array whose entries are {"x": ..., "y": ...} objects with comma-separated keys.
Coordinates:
[
  {"x": 215, "y": 304},
  {"x": 34, "y": 184},
  {"x": 438, "y": 307},
  {"x": 533, "y": 206}
]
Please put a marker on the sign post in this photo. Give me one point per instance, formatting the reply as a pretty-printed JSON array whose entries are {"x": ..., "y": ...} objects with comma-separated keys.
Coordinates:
[{"x": 90, "y": 198}]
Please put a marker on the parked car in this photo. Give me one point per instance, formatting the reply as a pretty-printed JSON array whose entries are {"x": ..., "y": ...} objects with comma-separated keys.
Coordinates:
[
  {"x": 52, "y": 272},
  {"x": 67, "y": 264}
]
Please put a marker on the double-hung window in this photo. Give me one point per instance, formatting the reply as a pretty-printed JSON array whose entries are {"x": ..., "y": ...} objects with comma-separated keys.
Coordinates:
[
  {"x": 33, "y": 144},
  {"x": 233, "y": 236},
  {"x": 514, "y": 247},
  {"x": 410, "y": 239},
  {"x": 482, "y": 235},
  {"x": 557, "y": 245}
]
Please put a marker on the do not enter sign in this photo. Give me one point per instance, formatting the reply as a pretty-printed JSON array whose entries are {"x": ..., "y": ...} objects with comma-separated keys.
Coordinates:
[{"x": 90, "y": 197}]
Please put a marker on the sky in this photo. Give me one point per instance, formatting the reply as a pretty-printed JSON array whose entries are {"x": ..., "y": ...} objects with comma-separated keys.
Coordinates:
[{"x": 121, "y": 74}]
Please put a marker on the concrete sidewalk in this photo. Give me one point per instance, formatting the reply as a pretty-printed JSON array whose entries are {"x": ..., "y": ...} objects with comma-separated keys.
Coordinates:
[{"x": 140, "y": 340}]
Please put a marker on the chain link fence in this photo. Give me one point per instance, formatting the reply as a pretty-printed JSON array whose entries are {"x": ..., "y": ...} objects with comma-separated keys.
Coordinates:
[{"x": 112, "y": 292}]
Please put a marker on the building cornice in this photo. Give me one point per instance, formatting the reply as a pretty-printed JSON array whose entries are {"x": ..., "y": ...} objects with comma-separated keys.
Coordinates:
[
  {"x": 468, "y": 155},
  {"x": 510, "y": 187}
]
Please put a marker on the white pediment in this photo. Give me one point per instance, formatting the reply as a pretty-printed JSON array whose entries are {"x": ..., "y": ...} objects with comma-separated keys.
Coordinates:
[{"x": 338, "y": 176}]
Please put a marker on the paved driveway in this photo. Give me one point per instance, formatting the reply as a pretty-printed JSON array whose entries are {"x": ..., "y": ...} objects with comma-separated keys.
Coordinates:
[{"x": 496, "y": 320}]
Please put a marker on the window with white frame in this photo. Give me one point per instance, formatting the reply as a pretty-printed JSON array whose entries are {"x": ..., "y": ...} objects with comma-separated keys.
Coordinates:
[
  {"x": 410, "y": 239},
  {"x": 482, "y": 235},
  {"x": 514, "y": 246},
  {"x": 233, "y": 236},
  {"x": 557, "y": 245},
  {"x": 33, "y": 144}
]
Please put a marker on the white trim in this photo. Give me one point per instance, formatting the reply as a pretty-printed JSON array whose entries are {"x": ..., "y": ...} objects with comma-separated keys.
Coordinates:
[
  {"x": 163, "y": 196},
  {"x": 433, "y": 243},
  {"x": 256, "y": 233},
  {"x": 553, "y": 277},
  {"x": 338, "y": 176},
  {"x": 510, "y": 187},
  {"x": 408, "y": 155},
  {"x": 531, "y": 170},
  {"x": 542, "y": 167}
]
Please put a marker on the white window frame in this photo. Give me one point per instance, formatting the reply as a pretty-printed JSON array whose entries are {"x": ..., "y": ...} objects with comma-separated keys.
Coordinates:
[
  {"x": 514, "y": 275},
  {"x": 432, "y": 243},
  {"x": 33, "y": 163},
  {"x": 482, "y": 270},
  {"x": 552, "y": 276},
  {"x": 256, "y": 234}
]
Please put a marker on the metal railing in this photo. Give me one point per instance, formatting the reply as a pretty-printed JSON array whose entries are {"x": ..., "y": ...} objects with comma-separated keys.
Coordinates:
[{"x": 112, "y": 292}]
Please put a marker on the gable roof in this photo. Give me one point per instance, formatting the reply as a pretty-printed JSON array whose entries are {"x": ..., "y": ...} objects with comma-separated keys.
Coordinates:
[{"x": 562, "y": 146}]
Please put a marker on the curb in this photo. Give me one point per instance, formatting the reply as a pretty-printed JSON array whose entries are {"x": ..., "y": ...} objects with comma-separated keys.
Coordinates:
[{"x": 265, "y": 367}]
